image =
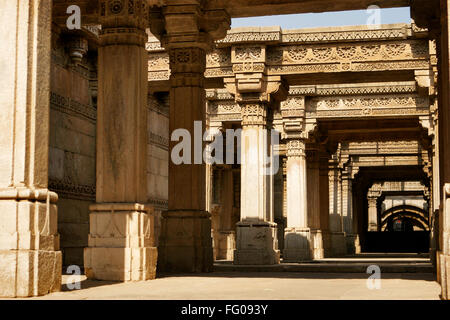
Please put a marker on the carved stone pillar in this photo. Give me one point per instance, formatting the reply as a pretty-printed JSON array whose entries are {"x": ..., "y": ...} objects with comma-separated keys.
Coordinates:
[
  {"x": 297, "y": 234},
  {"x": 324, "y": 199},
  {"x": 256, "y": 232},
  {"x": 314, "y": 204},
  {"x": 444, "y": 258},
  {"x": 372, "y": 198},
  {"x": 348, "y": 212},
  {"x": 443, "y": 46},
  {"x": 30, "y": 260},
  {"x": 187, "y": 32},
  {"x": 337, "y": 235},
  {"x": 121, "y": 244}
]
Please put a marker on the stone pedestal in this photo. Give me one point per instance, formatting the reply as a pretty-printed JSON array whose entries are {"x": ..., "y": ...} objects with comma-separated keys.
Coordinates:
[
  {"x": 226, "y": 245},
  {"x": 185, "y": 242},
  {"x": 352, "y": 244},
  {"x": 30, "y": 260},
  {"x": 121, "y": 243},
  {"x": 338, "y": 244},
  {"x": 297, "y": 236},
  {"x": 297, "y": 245},
  {"x": 257, "y": 244},
  {"x": 317, "y": 248}
]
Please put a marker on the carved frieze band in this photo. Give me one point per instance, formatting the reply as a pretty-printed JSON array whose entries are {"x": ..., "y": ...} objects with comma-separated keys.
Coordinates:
[
  {"x": 67, "y": 105},
  {"x": 378, "y": 56},
  {"x": 399, "y": 104},
  {"x": 68, "y": 190}
]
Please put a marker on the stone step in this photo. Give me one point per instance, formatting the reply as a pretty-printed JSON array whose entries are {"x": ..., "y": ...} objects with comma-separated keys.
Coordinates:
[{"x": 327, "y": 267}]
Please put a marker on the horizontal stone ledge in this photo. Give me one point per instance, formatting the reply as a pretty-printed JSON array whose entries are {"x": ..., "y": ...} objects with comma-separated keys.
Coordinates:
[
  {"x": 186, "y": 214},
  {"x": 118, "y": 207},
  {"x": 28, "y": 194},
  {"x": 255, "y": 224}
]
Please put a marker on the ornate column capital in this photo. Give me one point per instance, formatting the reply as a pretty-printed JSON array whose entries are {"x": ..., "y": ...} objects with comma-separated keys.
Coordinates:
[
  {"x": 296, "y": 148},
  {"x": 187, "y": 66},
  {"x": 123, "y": 22},
  {"x": 254, "y": 114},
  {"x": 185, "y": 23}
]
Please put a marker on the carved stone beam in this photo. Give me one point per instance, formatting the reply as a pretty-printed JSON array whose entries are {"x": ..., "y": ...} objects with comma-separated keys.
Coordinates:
[{"x": 185, "y": 23}]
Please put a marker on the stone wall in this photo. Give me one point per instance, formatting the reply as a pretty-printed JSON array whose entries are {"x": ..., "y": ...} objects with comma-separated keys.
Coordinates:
[
  {"x": 158, "y": 156},
  {"x": 72, "y": 146}
]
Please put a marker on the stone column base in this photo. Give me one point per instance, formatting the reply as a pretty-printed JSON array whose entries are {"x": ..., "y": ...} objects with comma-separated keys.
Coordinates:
[
  {"x": 185, "y": 242},
  {"x": 326, "y": 243},
  {"x": 444, "y": 270},
  {"x": 352, "y": 244},
  {"x": 120, "y": 243},
  {"x": 226, "y": 244},
  {"x": 30, "y": 260},
  {"x": 297, "y": 245},
  {"x": 28, "y": 273},
  {"x": 256, "y": 244},
  {"x": 316, "y": 245},
  {"x": 338, "y": 244}
]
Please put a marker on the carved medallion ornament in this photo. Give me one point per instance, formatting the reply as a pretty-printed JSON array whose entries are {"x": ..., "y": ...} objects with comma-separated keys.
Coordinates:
[
  {"x": 296, "y": 148},
  {"x": 188, "y": 66},
  {"x": 254, "y": 114},
  {"x": 123, "y": 22}
]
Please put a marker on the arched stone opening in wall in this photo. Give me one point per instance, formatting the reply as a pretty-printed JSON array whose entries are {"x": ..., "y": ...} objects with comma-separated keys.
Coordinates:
[
  {"x": 417, "y": 217},
  {"x": 374, "y": 213}
]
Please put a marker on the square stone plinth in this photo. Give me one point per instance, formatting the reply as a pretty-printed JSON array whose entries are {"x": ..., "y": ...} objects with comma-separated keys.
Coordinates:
[
  {"x": 297, "y": 246},
  {"x": 120, "y": 264},
  {"x": 444, "y": 271},
  {"x": 256, "y": 244},
  {"x": 121, "y": 242},
  {"x": 28, "y": 273}
]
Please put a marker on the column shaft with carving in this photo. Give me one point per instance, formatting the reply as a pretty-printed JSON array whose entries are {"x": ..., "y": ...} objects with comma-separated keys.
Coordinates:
[
  {"x": 443, "y": 46},
  {"x": 187, "y": 32},
  {"x": 30, "y": 260},
  {"x": 256, "y": 232},
  {"x": 372, "y": 211},
  {"x": 314, "y": 204},
  {"x": 121, "y": 244},
  {"x": 297, "y": 234},
  {"x": 337, "y": 234},
  {"x": 324, "y": 199}
]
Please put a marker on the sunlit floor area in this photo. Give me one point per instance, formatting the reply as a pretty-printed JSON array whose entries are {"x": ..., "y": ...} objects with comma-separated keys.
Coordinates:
[
  {"x": 259, "y": 286},
  {"x": 402, "y": 277}
]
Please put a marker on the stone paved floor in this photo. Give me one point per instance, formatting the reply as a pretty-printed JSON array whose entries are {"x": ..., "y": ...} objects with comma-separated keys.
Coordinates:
[{"x": 256, "y": 286}]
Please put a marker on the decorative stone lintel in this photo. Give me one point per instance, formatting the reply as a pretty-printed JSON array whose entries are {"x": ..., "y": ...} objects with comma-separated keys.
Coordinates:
[{"x": 187, "y": 24}]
